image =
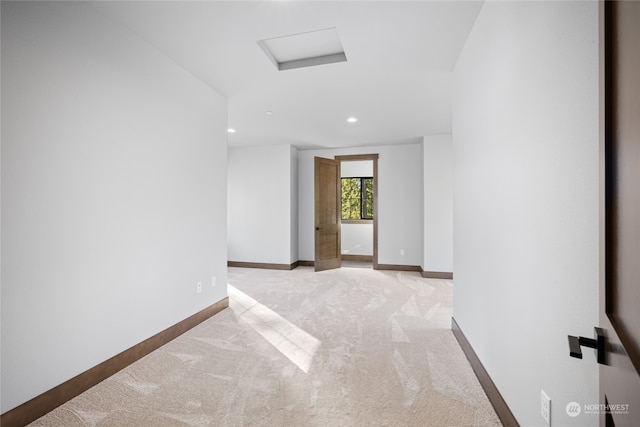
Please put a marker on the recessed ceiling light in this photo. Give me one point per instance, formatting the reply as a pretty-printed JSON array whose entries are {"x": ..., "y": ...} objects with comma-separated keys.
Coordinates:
[
  {"x": 352, "y": 119},
  {"x": 305, "y": 49},
  {"x": 269, "y": 113},
  {"x": 231, "y": 130}
]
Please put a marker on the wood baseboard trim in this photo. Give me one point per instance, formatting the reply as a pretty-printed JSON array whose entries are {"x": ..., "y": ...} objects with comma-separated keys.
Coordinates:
[
  {"x": 49, "y": 400},
  {"x": 346, "y": 257},
  {"x": 306, "y": 263},
  {"x": 496, "y": 399},
  {"x": 437, "y": 275},
  {"x": 349, "y": 257},
  {"x": 398, "y": 267},
  {"x": 263, "y": 265}
]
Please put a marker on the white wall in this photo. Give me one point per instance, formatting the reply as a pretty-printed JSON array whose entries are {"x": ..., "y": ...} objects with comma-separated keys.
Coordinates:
[
  {"x": 525, "y": 138},
  {"x": 400, "y": 203},
  {"x": 293, "y": 219},
  {"x": 438, "y": 203},
  {"x": 357, "y": 239},
  {"x": 356, "y": 168},
  {"x": 113, "y": 194},
  {"x": 261, "y": 212}
]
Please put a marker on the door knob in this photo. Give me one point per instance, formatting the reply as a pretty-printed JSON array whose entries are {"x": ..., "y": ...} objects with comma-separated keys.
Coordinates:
[{"x": 597, "y": 343}]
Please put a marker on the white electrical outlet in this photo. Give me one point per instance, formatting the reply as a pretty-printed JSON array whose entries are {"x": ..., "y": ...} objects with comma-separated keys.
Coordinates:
[
  {"x": 213, "y": 281},
  {"x": 401, "y": 252},
  {"x": 545, "y": 407},
  {"x": 198, "y": 287}
]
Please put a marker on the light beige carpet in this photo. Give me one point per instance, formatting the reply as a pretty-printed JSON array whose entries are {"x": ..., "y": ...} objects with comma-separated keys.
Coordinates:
[{"x": 347, "y": 347}]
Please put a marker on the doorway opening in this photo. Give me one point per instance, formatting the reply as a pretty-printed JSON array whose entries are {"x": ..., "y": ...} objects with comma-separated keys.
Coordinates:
[{"x": 357, "y": 251}]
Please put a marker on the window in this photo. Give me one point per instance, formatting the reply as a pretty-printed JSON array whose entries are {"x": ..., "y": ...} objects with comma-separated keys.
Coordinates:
[{"x": 357, "y": 198}]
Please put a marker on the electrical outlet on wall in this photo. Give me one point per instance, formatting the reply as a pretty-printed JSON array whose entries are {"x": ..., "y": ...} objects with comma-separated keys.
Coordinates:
[
  {"x": 545, "y": 407},
  {"x": 213, "y": 281},
  {"x": 198, "y": 287}
]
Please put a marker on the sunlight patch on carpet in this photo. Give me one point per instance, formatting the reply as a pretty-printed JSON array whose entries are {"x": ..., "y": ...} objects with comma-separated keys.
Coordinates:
[{"x": 295, "y": 344}]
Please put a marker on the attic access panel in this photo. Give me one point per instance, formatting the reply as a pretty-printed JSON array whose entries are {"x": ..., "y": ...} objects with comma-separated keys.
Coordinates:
[{"x": 304, "y": 49}]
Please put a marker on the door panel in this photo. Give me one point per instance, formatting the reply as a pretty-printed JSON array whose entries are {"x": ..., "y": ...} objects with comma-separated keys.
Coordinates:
[
  {"x": 327, "y": 214},
  {"x": 620, "y": 308}
]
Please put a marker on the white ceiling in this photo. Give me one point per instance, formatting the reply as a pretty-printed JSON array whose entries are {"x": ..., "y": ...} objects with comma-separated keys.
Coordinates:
[{"x": 396, "y": 81}]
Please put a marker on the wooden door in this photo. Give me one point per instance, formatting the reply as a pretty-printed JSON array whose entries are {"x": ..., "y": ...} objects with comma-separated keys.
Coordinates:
[
  {"x": 327, "y": 214},
  {"x": 620, "y": 293}
]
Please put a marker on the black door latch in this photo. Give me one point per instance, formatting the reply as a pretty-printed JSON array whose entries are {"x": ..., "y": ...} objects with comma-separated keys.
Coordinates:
[{"x": 596, "y": 343}]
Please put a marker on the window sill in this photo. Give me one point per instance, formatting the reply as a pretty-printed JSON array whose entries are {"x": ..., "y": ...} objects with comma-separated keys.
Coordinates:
[{"x": 357, "y": 221}]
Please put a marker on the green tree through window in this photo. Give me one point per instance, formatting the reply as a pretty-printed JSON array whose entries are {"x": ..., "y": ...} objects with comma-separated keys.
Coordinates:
[{"x": 357, "y": 198}]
